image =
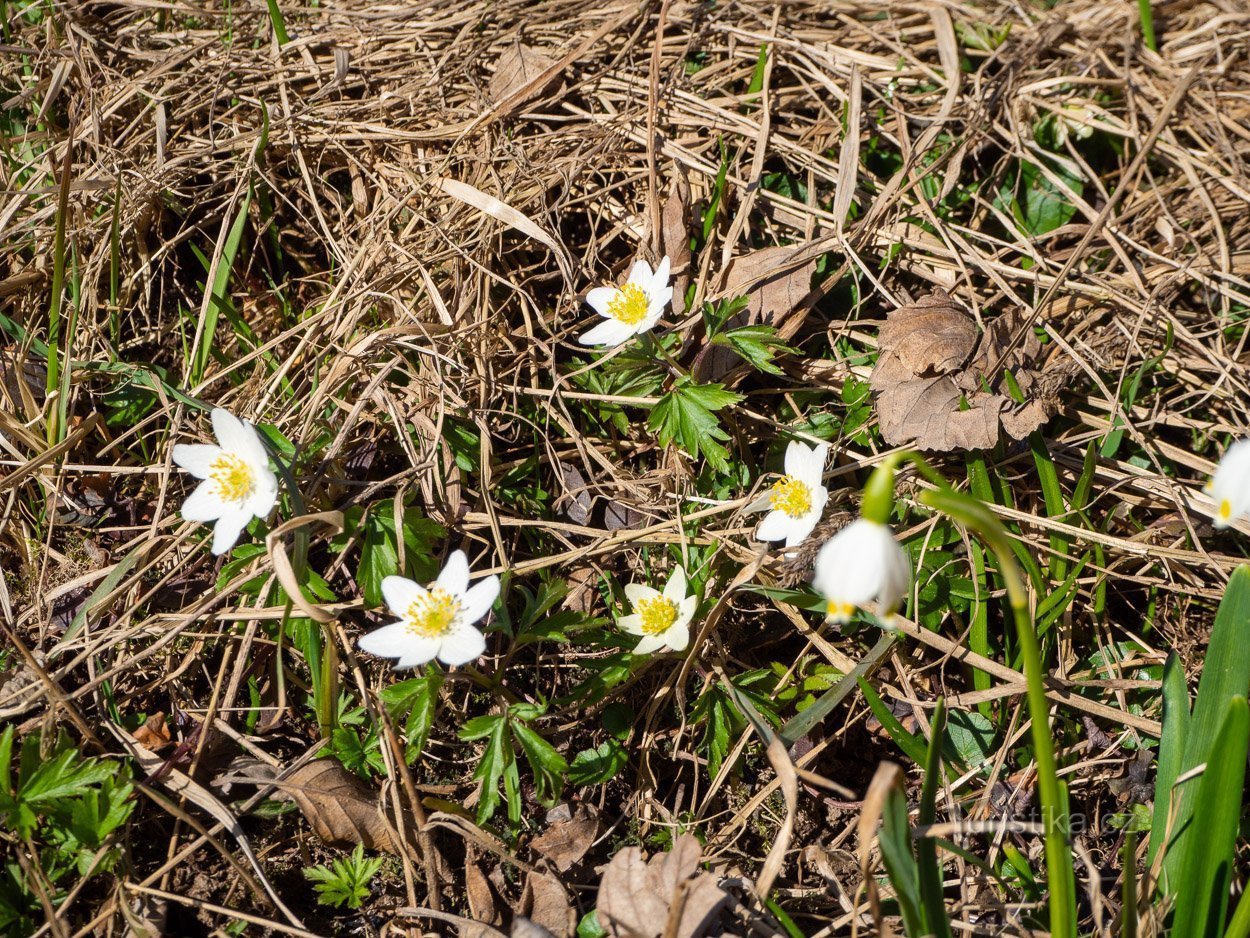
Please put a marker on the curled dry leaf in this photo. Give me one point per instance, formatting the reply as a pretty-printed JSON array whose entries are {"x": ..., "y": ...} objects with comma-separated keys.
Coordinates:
[
  {"x": 565, "y": 842},
  {"x": 154, "y": 733},
  {"x": 341, "y": 807},
  {"x": 675, "y": 236},
  {"x": 937, "y": 385},
  {"x": 636, "y": 897}
]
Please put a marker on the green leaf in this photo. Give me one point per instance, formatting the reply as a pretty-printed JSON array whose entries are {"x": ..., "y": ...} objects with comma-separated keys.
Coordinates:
[
  {"x": 497, "y": 761},
  {"x": 346, "y": 881},
  {"x": 549, "y": 766},
  {"x": 416, "y": 702},
  {"x": 595, "y": 766},
  {"x": 972, "y": 737},
  {"x": 900, "y": 865},
  {"x": 759, "y": 345},
  {"x": 686, "y": 414}
]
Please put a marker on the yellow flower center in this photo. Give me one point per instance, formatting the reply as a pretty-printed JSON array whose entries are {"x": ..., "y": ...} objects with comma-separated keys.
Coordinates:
[
  {"x": 234, "y": 477},
  {"x": 629, "y": 305},
  {"x": 657, "y": 614},
  {"x": 433, "y": 615},
  {"x": 792, "y": 497},
  {"x": 1226, "y": 510}
]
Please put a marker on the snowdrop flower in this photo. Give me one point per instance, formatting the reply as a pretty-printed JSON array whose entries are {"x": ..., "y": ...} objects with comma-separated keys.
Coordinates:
[
  {"x": 797, "y": 499},
  {"x": 662, "y": 619},
  {"x": 435, "y": 622},
  {"x": 1230, "y": 486},
  {"x": 238, "y": 484},
  {"x": 630, "y": 309},
  {"x": 862, "y": 563}
]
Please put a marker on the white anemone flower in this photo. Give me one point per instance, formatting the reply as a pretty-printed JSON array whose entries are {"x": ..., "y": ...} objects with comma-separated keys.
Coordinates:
[
  {"x": 662, "y": 619},
  {"x": 860, "y": 564},
  {"x": 437, "y": 622},
  {"x": 630, "y": 309},
  {"x": 796, "y": 500},
  {"x": 238, "y": 484},
  {"x": 1230, "y": 486}
]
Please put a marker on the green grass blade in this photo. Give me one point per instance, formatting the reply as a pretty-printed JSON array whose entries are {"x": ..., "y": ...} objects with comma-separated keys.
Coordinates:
[
  {"x": 932, "y": 900},
  {"x": 279, "y": 24},
  {"x": 218, "y": 298},
  {"x": 1128, "y": 898},
  {"x": 1204, "y": 877},
  {"x": 912, "y": 745},
  {"x": 1171, "y": 749},
  {"x": 900, "y": 864},
  {"x": 799, "y": 726}
]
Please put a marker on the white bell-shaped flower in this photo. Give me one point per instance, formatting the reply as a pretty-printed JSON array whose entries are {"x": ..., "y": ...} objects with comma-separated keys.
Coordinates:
[
  {"x": 862, "y": 563},
  {"x": 238, "y": 484},
  {"x": 1230, "y": 486},
  {"x": 437, "y": 622}
]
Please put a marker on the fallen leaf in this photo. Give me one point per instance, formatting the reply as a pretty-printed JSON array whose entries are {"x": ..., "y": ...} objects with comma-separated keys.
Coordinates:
[
  {"x": 618, "y": 516},
  {"x": 675, "y": 236},
  {"x": 636, "y": 895},
  {"x": 774, "y": 287},
  {"x": 545, "y": 903},
  {"x": 342, "y": 808},
  {"x": 154, "y": 733},
  {"x": 519, "y": 67},
  {"x": 565, "y": 842},
  {"x": 938, "y": 386},
  {"x": 525, "y": 928},
  {"x": 482, "y": 905},
  {"x": 578, "y": 503}
]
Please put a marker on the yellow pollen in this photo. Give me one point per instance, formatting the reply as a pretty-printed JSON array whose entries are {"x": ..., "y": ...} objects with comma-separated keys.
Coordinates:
[
  {"x": 233, "y": 477},
  {"x": 792, "y": 497},
  {"x": 433, "y": 615},
  {"x": 658, "y": 614},
  {"x": 1226, "y": 510},
  {"x": 629, "y": 305},
  {"x": 839, "y": 610}
]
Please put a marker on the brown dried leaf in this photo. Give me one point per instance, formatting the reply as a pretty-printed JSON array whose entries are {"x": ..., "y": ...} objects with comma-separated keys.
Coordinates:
[
  {"x": 545, "y": 903},
  {"x": 932, "y": 375},
  {"x": 578, "y": 504},
  {"x": 636, "y": 896},
  {"x": 932, "y": 336},
  {"x": 154, "y": 733},
  {"x": 482, "y": 905},
  {"x": 341, "y": 807},
  {"x": 564, "y": 843},
  {"x": 675, "y": 236},
  {"x": 519, "y": 66}
]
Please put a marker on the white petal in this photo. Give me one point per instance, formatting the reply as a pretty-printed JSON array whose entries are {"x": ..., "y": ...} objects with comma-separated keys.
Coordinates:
[
  {"x": 631, "y": 624},
  {"x": 659, "y": 280},
  {"x": 675, "y": 588},
  {"x": 455, "y": 576},
  {"x": 203, "y": 504},
  {"x": 1231, "y": 483},
  {"x": 608, "y": 332},
  {"x": 796, "y": 458},
  {"x": 685, "y": 611},
  {"x": 637, "y": 592},
  {"x": 228, "y": 528},
  {"x": 421, "y": 651},
  {"x": 640, "y": 274},
  {"x": 478, "y": 600},
  {"x": 762, "y": 503},
  {"x": 400, "y": 593},
  {"x": 800, "y": 528},
  {"x": 657, "y": 302},
  {"x": 229, "y": 430},
  {"x": 648, "y": 644},
  {"x": 647, "y": 323},
  {"x": 776, "y": 526},
  {"x": 253, "y": 450},
  {"x": 862, "y": 563},
  {"x": 600, "y": 298},
  {"x": 463, "y": 645},
  {"x": 265, "y": 496},
  {"x": 896, "y": 581},
  {"x": 390, "y": 641},
  {"x": 677, "y": 636},
  {"x": 196, "y": 458}
]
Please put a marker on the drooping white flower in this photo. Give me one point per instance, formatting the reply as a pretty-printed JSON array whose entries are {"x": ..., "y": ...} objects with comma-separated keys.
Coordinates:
[
  {"x": 632, "y": 308},
  {"x": 1230, "y": 486},
  {"x": 796, "y": 500},
  {"x": 437, "y": 622},
  {"x": 860, "y": 564},
  {"x": 662, "y": 619},
  {"x": 238, "y": 484}
]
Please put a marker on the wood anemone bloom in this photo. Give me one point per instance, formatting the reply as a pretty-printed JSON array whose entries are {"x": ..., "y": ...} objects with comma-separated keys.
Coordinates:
[
  {"x": 437, "y": 622},
  {"x": 661, "y": 619},
  {"x": 796, "y": 500},
  {"x": 1230, "y": 486},
  {"x": 860, "y": 564},
  {"x": 630, "y": 309},
  {"x": 238, "y": 484}
]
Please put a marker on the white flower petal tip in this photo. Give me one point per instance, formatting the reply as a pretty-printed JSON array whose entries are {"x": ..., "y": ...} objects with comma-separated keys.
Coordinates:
[
  {"x": 238, "y": 483},
  {"x": 632, "y": 308},
  {"x": 662, "y": 619},
  {"x": 1230, "y": 486},
  {"x": 797, "y": 500},
  {"x": 438, "y": 622},
  {"x": 862, "y": 564}
]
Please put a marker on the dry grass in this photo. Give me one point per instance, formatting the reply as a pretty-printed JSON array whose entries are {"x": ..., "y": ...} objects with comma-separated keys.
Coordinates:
[{"x": 403, "y": 306}]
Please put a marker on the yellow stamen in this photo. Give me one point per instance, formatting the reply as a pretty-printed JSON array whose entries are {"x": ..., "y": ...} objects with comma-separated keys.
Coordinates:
[
  {"x": 629, "y": 305},
  {"x": 839, "y": 611},
  {"x": 657, "y": 614},
  {"x": 791, "y": 496},
  {"x": 234, "y": 478},
  {"x": 433, "y": 615},
  {"x": 1226, "y": 510}
]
